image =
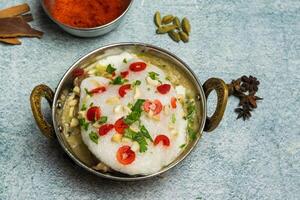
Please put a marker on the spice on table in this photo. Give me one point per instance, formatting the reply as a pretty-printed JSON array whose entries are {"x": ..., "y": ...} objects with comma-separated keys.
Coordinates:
[
  {"x": 245, "y": 89},
  {"x": 14, "y": 41},
  {"x": 13, "y": 24},
  {"x": 171, "y": 24},
  {"x": 14, "y": 11},
  {"x": 17, "y": 27},
  {"x": 86, "y": 14}
]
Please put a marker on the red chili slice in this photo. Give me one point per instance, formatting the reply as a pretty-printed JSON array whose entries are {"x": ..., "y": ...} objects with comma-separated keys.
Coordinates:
[
  {"x": 124, "y": 74},
  {"x": 137, "y": 66},
  {"x": 164, "y": 88},
  {"x": 123, "y": 88},
  {"x": 93, "y": 113},
  {"x": 155, "y": 106},
  {"x": 120, "y": 126},
  {"x": 113, "y": 74},
  {"x": 162, "y": 138},
  {"x": 78, "y": 72},
  {"x": 104, "y": 129},
  {"x": 173, "y": 102},
  {"x": 98, "y": 90},
  {"x": 125, "y": 155}
]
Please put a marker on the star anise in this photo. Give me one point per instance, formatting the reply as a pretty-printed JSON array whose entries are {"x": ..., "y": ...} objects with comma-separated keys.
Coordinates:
[
  {"x": 249, "y": 100},
  {"x": 244, "y": 112},
  {"x": 245, "y": 88}
]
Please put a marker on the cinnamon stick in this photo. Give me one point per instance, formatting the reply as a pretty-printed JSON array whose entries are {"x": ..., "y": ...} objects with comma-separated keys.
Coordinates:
[
  {"x": 13, "y": 41},
  {"x": 14, "y": 11},
  {"x": 17, "y": 27},
  {"x": 27, "y": 17}
]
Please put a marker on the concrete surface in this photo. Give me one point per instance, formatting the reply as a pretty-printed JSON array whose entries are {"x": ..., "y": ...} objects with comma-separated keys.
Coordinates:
[{"x": 257, "y": 159}]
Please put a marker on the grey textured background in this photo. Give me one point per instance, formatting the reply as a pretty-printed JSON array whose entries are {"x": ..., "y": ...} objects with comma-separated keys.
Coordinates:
[{"x": 257, "y": 159}]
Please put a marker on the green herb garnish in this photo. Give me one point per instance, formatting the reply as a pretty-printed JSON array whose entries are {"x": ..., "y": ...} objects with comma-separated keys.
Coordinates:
[
  {"x": 87, "y": 92},
  {"x": 83, "y": 123},
  {"x": 136, "y": 112},
  {"x": 118, "y": 81},
  {"x": 173, "y": 118},
  {"x": 153, "y": 75},
  {"x": 124, "y": 60},
  {"x": 145, "y": 133},
  {"x": 83, "y": 107},
  {"x": 94, "y": 137},
  {"x": 110, "y": 69},
  {"x": 137, "y": 82},
  {"x": 181, "y": 146},
  {"x": 102, "y": 120},
  {"x": 138, "y": 137}
]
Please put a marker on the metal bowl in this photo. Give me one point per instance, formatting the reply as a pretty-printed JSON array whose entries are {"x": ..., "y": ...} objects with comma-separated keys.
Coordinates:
[
  {"x": 202, "y": 92},
  {"x": 88, "y": 32}
]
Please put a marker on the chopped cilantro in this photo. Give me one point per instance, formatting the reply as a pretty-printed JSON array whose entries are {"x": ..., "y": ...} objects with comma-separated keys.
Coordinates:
[
  {"x": 153, "y": 75},
  {"x": 138, "y": 137},
  {"x": 102, "y": 120},
  {"x": 137, "y": 82},
  {"x": 83, "y": 123},
  {"x": 87, "y": 92},
  {"x": 191, "y": 111},
  {"x": 173, "y": 118},
  {"x": 124, "y": 60},
  {"x": 110, "y": 69},
  {"x": 118, "y": 81},
  {"x": 182, "y": 146},
  {"x": 94, "y": 137},
  {"x": 145, "y": 132},
  {"x": 130, "y": 105},
  {"x": 192, "y": 133},
  {"x": 91, "y": 104},
  {"x": 83, "y": 107},
  {"x": 136, "y": 112}
]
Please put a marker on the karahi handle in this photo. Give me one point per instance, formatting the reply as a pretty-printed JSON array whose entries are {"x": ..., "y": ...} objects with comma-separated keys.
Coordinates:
[
  {"x": 222, "y": 94},
  {"x": 39, "y": 92}
]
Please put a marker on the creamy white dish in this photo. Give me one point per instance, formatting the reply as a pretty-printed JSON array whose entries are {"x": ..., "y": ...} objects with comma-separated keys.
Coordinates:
[{"x": 132, "y": 117}]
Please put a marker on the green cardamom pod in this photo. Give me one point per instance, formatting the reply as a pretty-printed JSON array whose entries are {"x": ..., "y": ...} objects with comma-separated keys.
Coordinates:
[
  {"x": 174, "y": 36},
  {"x": 183, "y": 36},
  {"x": 176, "y": 22},
  {"x": 186, "y": 26},
  {"x": 157, "y": 19},
  {"x": 167, "y": 19},
  {"x": 165, "y": 29}
]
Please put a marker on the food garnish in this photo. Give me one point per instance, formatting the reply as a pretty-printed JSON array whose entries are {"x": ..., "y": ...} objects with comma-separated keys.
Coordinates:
[
  {"x": 102, "y": 120},
  {"x": 124, "y": 74},
  {"x": 97, "y": 90},
  {"x": 137, "y": 66},
  {"x": 125, "y": 155},
  {"x": 93, "y": 113},
  {"x": 136, "y": 112},
  {"x": 94, "y": 137},
  {"x": 120, "y": 126},
  {"x": 78, "y": 72},
  {"x": 83, "y": 124},
  {"x": 123, "y": 89},
  {"x": 173, "y": 102},
  {"x": 119, "y": 80},
  {"x": 163, "y": 88},
  {"x": 104, "y": 129},
  {"x": 162, "y": 138},
  {"x": 110, "y": 69},
  {"x": 155, "y": 106}
]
